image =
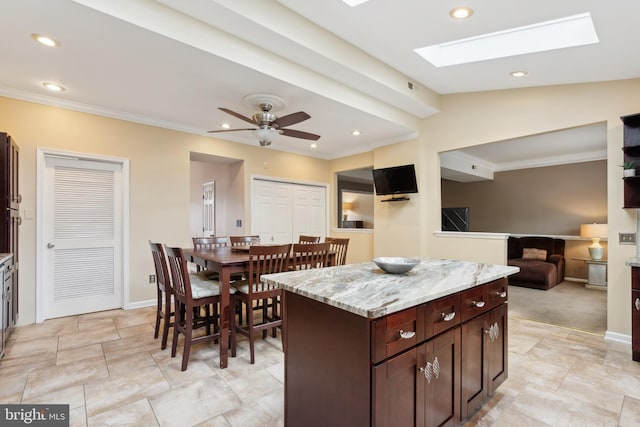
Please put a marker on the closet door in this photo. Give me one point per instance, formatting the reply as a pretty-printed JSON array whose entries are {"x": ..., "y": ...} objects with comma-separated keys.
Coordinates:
[
  {"x": 271, "y": 211},
  {"x": 282, "y": 211}
]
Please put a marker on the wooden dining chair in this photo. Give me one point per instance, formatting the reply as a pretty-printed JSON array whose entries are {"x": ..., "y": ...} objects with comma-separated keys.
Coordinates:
[
  {"x": 262, "y": 260},
  {"x": 339, "y": 246},
  {"x": 207, "y": 243},
  {"x": 244, "y": 240},
  {"x": 306, "y": 256},
  {"x": 164, "y": 292},
  {"x": 191, "y": 293},
  {"x": 308, "y": 239}
]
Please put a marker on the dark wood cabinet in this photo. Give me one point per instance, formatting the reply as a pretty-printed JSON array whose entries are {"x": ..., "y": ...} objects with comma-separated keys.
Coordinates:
[
  {"x": 635, "y": 313},
  {"x": 404, "y": 369},
  {"x": 631, "y": 149},
  {"x": 9, "y": 218}
]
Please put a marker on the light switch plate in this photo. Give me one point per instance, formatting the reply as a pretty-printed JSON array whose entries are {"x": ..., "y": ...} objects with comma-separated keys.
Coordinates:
[{"x": 627, "y": 238}]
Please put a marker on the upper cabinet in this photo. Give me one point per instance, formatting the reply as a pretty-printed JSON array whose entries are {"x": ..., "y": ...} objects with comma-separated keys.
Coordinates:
[{"x": 631, "y": 149}]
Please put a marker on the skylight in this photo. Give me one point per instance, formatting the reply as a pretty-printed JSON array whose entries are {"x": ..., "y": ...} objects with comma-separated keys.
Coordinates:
[
  {"x": 353, "y": 3},
  {"x": 577, "y": 30}
]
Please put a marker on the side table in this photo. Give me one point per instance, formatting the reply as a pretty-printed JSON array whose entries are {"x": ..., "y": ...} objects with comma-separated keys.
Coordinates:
[{"x": 597, "y": 271}]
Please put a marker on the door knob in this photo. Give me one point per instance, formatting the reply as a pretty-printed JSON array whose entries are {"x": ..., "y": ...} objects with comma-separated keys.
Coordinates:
[{"x": 50, "y": 245}]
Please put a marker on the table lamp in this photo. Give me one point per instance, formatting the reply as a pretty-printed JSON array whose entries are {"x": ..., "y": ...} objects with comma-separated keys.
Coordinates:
[
  {"x": 346, "y": 207},
  {"x": 595, "y": 232}
]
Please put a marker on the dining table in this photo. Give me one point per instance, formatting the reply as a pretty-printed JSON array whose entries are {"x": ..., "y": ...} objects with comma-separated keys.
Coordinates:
[{"x": 226, "y": 261}]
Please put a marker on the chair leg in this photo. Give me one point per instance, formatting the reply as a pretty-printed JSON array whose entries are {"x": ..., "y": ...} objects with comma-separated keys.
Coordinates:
[
  {"x": 232, "y": 322},
  {"x": 251, "y": 332},
  {"x": 265, "y": 315},
  {"x": 188, "y": 332},
  {"x": 167, "y": 321},
  {"x": 158, "y": 310}
]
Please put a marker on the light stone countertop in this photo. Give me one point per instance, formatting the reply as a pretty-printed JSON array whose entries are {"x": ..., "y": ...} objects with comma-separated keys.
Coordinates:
[
  {"x": 366, "y": 290},
  {"x": 633, "y": 262},
  {"x": 4, "y": 257}
]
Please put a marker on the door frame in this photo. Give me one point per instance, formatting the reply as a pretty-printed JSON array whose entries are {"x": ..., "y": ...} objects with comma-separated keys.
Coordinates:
[{"x": 41, "y": 154}]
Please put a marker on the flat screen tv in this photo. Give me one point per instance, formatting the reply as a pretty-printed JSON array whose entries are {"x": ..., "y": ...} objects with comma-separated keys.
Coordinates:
[{"x": 395, "y": 180}]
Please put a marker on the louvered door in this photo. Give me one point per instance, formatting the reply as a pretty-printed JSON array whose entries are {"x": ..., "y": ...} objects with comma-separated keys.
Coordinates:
[{"x": 83, "y": 237}]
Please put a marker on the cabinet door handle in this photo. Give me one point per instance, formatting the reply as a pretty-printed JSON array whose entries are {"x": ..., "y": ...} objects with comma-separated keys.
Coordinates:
[
  {"x": 501, "y": 294},
  {"x": 436, "y": 367},
  {"x": 427, "y": 371},
  {"x": 407, "y": 334},
  {"x": 478, "y": 304},
  {"x": 447, "y": 317},
  {"x": 638, "y": 304},
  {"x": 493, "y": 332}
]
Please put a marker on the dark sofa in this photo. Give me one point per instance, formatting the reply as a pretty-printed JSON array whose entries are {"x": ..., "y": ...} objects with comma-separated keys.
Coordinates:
[{"x": 536, "y": 273}]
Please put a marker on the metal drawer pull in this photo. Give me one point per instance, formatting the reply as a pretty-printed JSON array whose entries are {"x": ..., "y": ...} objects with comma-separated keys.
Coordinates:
[
  {"x": 638, "y": 304},
  {"x": 407, "y": 334},
  {"x": 501, "y": 294},
  {"x": 448, "y": 316},
  {"x": 478, "y": 304}
]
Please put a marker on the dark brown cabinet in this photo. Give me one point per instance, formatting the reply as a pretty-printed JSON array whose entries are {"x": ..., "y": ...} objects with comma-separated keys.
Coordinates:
[
  {"x": 10, "y": 221},
  {"x": 404, "y": 369},
  {"x": 631, "y": 149},
  {"x": 635, "y": 313}
]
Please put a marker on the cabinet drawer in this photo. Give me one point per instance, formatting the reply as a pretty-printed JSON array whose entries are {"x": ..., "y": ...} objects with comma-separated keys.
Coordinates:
[
  {"x": 439, "y": 315},
  {"x": 393, "y": 334},
  {"x": 497, "y": 292},
  {"x": 473, "y": 302}
]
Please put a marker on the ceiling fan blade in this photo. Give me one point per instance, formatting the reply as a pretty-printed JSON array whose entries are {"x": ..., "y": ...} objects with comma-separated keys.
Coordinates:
[
  {"x": 229, "y": 130},
  {"x": 291, "y": 119},
  {"x": 238, "y": 115},
  {"x": 299, "y": 134}
]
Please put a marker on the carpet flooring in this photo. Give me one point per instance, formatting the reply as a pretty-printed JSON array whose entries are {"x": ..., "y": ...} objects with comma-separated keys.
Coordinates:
[{"x": 568, "y": 304}]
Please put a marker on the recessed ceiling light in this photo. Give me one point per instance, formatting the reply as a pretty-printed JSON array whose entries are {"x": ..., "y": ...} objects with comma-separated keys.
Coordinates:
[
  {"x": 571, "y": 31},
  {"x": 45, "y": 40},
  {"x": 353, "y": 3},
  {"x": 355, "y": 132},
  {"x": 225, "y": 126},
  {"x": 461, "y": 12},
  {"x": 53, "y": 87},
  {"x": 313, "y": 145},
  {"x": 519, "y": 73}
]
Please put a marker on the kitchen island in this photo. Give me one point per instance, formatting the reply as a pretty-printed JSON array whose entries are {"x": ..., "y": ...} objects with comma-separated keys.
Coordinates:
[{"x": 366, "y": 348}]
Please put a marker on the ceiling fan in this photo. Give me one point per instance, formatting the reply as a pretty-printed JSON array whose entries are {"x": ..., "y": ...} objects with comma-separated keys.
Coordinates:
[{"x": 267, "y": 124}]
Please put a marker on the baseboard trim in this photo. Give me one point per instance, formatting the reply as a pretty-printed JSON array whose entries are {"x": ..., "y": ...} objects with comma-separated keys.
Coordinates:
[
  {"x": 140, "y": 304},
  {"x": 614, "y": 336}
]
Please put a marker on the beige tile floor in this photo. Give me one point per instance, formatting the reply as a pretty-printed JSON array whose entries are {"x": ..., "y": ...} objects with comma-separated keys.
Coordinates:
[{"x": 111, "y": 372}]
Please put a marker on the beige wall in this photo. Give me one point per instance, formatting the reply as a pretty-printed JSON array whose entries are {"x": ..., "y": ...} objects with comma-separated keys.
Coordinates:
[
  {"x": 477, "y": 118},
  {"x": 397, "y": 224},
  {"x": 159, "y": 179}
]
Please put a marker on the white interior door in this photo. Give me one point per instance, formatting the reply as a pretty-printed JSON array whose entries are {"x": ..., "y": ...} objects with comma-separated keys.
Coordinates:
[
  {"x": 271, "y": 212},
  {"x": 309, "y": 211},
  {"x": 208, "y": 209},
  {"x": 82, "y": 234}
]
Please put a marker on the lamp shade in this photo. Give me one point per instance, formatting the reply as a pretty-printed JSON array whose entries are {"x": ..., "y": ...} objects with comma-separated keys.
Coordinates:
[
  {"x": 347, "y": 206},
  {"x": 594, "y": 230}
]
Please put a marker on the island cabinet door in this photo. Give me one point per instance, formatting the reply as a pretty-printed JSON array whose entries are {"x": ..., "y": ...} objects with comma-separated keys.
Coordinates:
[
  {"x": 496, "y": 348},
  {"x": 420, "y": 387},
  {"x": 396, "y": 390},
  {"x": 440, "y": 373},
  {"x": 483, "y": 355}
]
